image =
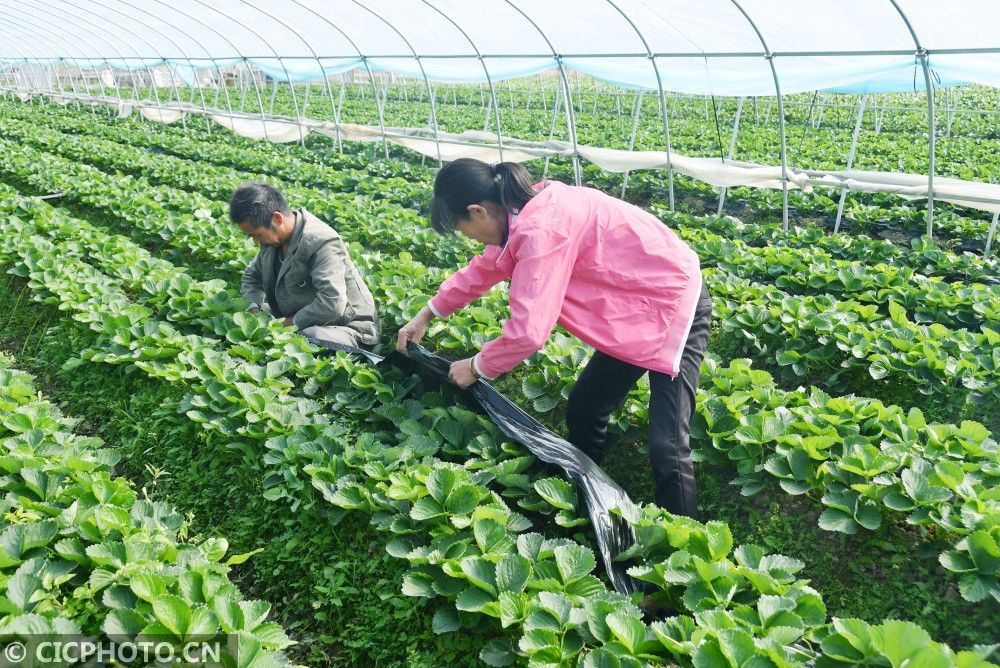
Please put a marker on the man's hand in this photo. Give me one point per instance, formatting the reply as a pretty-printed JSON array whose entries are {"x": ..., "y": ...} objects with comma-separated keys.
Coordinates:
[
  {"x": 461, "y": 374},
  {"x": 287, "y": 322},
  {"x": 254, "y": 309},
  {"x": 414, "y": 330}
]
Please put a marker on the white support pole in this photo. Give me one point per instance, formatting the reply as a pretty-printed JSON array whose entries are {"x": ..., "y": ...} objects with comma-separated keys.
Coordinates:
[
  {"x": 732, "y": 150},
  {"x": 340, "y": 110},
  {"x": 552, "y": 128},
  {"x": 487, "y": 117},
  {"x": 850, "y": 160},
  {"x": 571, "y": 118},
  {"x": 931, "y": 149},
  {"x": 991, "y": 234},
  {"x": 637, "y": 107}
]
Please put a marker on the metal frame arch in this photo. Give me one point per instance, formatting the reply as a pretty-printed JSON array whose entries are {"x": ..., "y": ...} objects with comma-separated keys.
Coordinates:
[
  {"x": 262, "y": 39},
  {"x": 769, "y": 56},
  {"x": 162, "y": 34},
  {"x": 176, "y": 44},
  {"x": 921, "y": 54},
  {"x": 60, "y": 39},
  {"x": 288, "y": 77},
  {"x": 663, "y": 101},
  {"x": 486, "y": 71},
  {"x": 225, "y": 88},
  {"x": 11, "y": 84},
  {"x": 371, "y": 76},
  {"x": 5, "y": 70},
  {"x": 49, "y": 65},
  {"x": 50, "y": 34},
  {"x": 32, "y": 86},
  {"x": 326, "y": 80},
  {"x": 97, "y": 34},
  {"x": 427, "y": 83},
  {"x": 156, "y": 93},
  {"x": 570, "y": 114}
]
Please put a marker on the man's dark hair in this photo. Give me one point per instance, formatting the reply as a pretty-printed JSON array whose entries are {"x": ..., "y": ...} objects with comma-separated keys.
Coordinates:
[{"x": 256, "y": 203}]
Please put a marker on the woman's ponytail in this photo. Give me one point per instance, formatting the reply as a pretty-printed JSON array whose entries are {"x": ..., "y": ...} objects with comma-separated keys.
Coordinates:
[
  {"x": 468, "y": 181},
  {"x": 515, "y": 185}
]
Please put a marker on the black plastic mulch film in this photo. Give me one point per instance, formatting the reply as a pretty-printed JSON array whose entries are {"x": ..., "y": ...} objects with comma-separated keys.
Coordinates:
[{"x": 600, "y": 492}]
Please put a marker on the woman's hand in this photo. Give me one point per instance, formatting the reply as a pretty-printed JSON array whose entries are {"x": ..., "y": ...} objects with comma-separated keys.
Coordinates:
[
  {"x": 414, "y": 330},
  {"x": 461, "y": 373}
]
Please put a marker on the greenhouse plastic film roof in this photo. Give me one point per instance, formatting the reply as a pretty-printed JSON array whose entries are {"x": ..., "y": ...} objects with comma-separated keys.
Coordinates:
[{"x": 721, "y": 47}]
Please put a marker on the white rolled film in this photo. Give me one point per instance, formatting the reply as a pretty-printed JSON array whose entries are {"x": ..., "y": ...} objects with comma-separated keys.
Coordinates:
[
  {"x": 972, "y": 194},
  {"x": 276, "y": 132},
  {"x": 472, "y": 144},
  {"x": 161, "y": 115}
]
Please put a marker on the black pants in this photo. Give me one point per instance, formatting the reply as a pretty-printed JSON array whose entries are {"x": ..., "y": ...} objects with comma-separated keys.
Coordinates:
[{"x": 603, "y": 387}]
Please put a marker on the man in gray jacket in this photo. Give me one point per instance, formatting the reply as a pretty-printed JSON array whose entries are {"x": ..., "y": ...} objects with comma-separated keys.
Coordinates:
[{"x": 302, "y": 272}]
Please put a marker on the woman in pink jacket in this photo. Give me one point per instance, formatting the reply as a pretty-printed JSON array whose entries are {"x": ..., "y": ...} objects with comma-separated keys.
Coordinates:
[{"x": 609, "y": 273}]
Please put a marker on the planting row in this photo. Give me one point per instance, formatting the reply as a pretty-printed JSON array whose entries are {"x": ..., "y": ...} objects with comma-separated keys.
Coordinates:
[
  {"x": 84, "y": 554},
  {"x": 476, "y": 551},
  {"x": 183, "y": 300}
]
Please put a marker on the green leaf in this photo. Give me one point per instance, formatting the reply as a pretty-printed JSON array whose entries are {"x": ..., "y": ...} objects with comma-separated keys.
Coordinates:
[
  {"x": 498, "y": 653},
  {"x": 976, "y": 588},
  {"x": 491, "y": 537},
  {"x": 898, "y": 641},
  {"x": 229, "y": 614},
  {"x": 628, "y": 628},
  {"x": 473, "y": 599},
  {"x": 215, "y": 549},
  {"x": 512, "y": 573},
  {"x": 832, "y": 519},
  {"x": 425, "y": 509},
  {"x": 148, "y": 587},
  {"x": 173, "y": 613},
  {"x": 204, "y": 623},
  {"x": 557, "y": 492},
  {"x": 440, "y": 483},
  {"x": 601, "y": 657},
  {"x": 21, "y": 588},
  {"x": 122, "y": 625},
  {"x": 480, "y": 572},
  {"x": 272, "y": 636},
  {"x": 238, "y": 559},
  {"x": 574, "y": 562},
  {"x": 985, "y": 551},
  {"x": 418, "y": 584},
  {"x": 446, "y": 621}
]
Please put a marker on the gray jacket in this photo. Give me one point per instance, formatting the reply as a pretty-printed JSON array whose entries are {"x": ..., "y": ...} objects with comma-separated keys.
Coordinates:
[{"x": 318, "y": 282}]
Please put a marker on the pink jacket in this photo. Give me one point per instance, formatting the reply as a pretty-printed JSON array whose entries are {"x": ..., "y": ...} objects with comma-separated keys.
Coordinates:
[{"x": 609, "y": 272}]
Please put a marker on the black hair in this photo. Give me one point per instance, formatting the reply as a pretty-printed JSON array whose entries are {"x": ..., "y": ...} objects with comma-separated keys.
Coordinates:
[
  {"x": 468, "y": 181},
  {"x": 257, "y": 203}
]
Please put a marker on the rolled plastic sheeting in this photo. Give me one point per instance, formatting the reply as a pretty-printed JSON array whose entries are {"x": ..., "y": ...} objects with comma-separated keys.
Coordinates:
[
  {"x": 161, "y": 115},
  {"x": 914, "y": 186},
  {"x": 599, "y": 491},
  {"x": 709, "y": 170},
  {"x": 276, "y": 132}
]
